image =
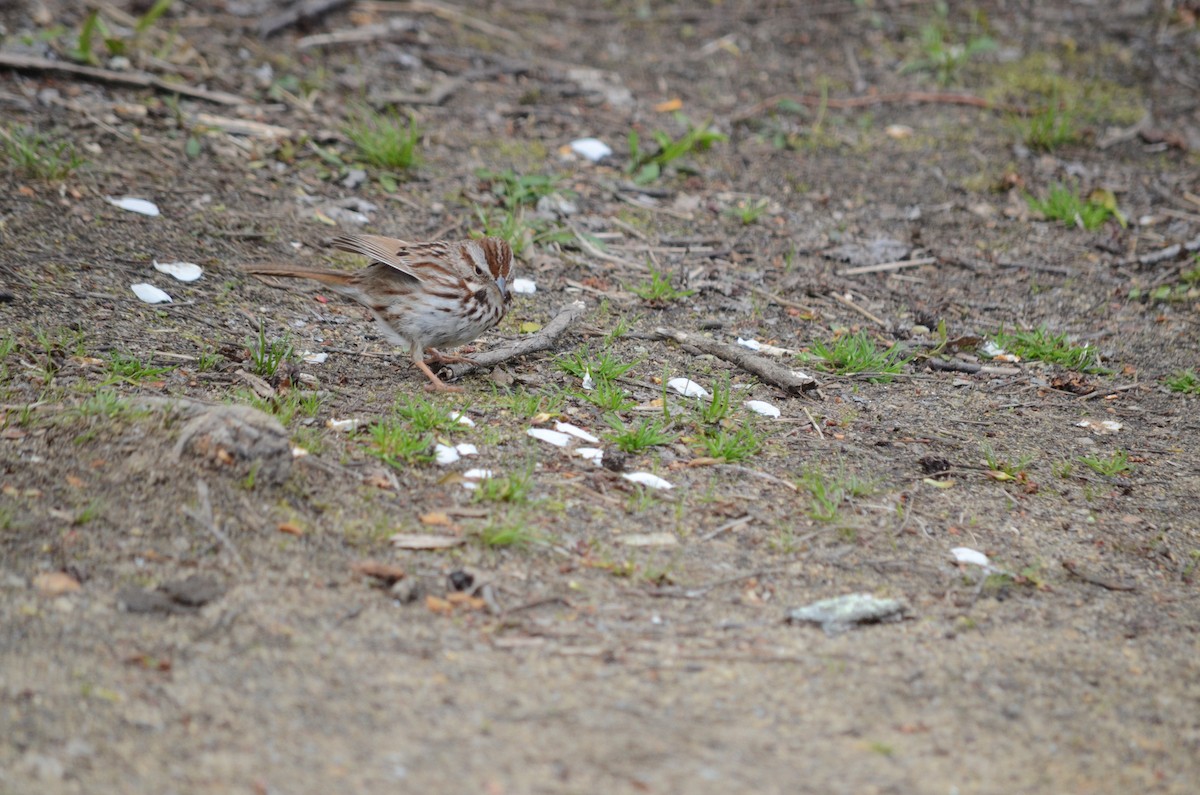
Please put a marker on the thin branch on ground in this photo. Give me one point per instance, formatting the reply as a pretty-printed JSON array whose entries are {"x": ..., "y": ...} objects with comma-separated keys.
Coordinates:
[
  {"x": 766, "y": 370},
  {"x": 29, "y": 63},
  {"x": 534, "y": 343}
]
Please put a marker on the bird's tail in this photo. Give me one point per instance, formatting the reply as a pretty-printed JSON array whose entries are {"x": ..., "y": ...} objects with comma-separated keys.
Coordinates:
[{"x": 334, "y": 279}]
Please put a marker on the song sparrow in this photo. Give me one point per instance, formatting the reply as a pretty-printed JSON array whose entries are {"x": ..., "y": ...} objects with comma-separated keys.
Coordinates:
[{"x": 424, "y": 295}]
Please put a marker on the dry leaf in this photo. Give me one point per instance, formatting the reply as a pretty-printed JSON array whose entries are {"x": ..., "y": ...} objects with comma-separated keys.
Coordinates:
[
  {"x": 380, "y": 571},
  {"x": 55, "y": 583},
  {"x": 436, "y": 604},
  {"x": 435, "y": 518},
  {"x": 670, "y": 106},
  {"x": 290, "y": 528}
]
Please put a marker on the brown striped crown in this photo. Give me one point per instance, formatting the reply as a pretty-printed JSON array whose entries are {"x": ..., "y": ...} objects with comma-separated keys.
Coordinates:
[{"x": 499, "y": 256}]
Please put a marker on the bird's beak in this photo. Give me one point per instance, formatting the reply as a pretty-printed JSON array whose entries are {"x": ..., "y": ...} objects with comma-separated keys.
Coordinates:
[{"x": 502, "y": 283}]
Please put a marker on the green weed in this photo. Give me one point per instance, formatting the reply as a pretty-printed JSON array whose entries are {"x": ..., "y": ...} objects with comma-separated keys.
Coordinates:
[
  {"x": 425, "y": 415},
  {"x": 105, "y": 403},
  {"x": 1061, "y": 204},
  {"x": 130, "y": 369},
  {"x": 517, "y": 190},
  {"x": 397, "y": 444},
  {"x": 382, "y": 139},
  {"x": 1115, "y": 464},
  {"x": 94, "y": 24},
  {"x": 1186, "y": 289},
  {"x": 37, "y": 156},
  {"x": 208, "y": 361},
  {"x": 732, "y": 446},
  {"x": 658, "y": 289},
  {"x": 856, "y": 354},
  {"x": 748, "y": 212},
  {"x": 607, "y": 396},
  {"x": 828, "y": 490},
  {"x": 510, "y": 488},
  {"x": 601, "y": 367},
  {"x": 267, "y": 357},
  {"x": 1049, "y": 127},
  {"x": 1041, "y": 345},
  {"x": 649, "y": 432},
  {"x": 718, "y": 406},
  {"x": 509, "y": 535},
  {"x": 1185, "y": 382},
  {"x": 941, "y": 56},
  {"x": 647, "y": 165},
  {"x": 1004, "y": 468}
]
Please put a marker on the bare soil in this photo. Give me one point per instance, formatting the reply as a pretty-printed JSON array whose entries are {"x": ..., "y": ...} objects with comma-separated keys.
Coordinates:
[{"x": 178, "y": 619}]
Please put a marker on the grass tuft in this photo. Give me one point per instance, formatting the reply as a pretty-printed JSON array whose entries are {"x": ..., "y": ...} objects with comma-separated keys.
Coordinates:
[{"x": 856, "y": 354}]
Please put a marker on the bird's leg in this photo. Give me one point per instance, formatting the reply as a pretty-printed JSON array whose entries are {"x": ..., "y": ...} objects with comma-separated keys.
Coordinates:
[
  {"x": 437, "y": 357},
  {"x": 435, "y": 384}
]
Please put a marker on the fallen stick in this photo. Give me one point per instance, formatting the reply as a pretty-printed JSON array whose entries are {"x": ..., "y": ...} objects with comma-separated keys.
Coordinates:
[
  {"x": 535, "y": 343},
  {"x": 306, "y": 12},
  {"x": 888, "y": 266},
  {"x": 29, "y": 63},
  {"x": 767, "y": 371}
]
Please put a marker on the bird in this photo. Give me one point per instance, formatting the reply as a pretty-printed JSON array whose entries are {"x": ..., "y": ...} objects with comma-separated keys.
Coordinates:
[{"x": 423, "y": 295}]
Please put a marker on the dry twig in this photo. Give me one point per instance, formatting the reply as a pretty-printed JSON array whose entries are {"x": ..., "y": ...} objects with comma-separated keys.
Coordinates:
[
  {"x": 768, "y": 371},
  {"x": 534, "y": 343},
  {"x": 29, "y": 63}
]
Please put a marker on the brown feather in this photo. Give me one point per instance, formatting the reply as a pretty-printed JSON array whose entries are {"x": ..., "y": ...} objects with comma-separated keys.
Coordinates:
[{"x": 335, "y": 278}]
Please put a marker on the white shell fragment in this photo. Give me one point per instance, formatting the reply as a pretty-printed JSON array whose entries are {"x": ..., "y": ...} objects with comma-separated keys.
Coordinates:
[
  {"x": 1101, "y": 427},
  {"x": 996, "y": 353},
  {"x": 840, "y": 613},
  {"x": 472, "y": 476},
  {"x": 647, "y": 479},
  {"x": 462, "y": 419},
  {"x": 971, "y": 556},
  {"x": 687, "y": 387},
  {"x": 149, "y": 294},
  {"x": 762, "y": 407},
  {"x": 588, "y": 384},
  {"x": 593, "y": 454},
  {"x": 762, "y": 347},
  {"x": 523, "y": 286},
  {"x": 591, "y": 148},
  {"x": 133, "y": 205},
  {"x": 314, "y": 358},
  {"x": 446, "y": 455},
  {"x": 345, "y": 426},
  {"x": 555, "y": 438},
  {"x": 183, "y": 271},
  {"x": 576, "y": 431}
]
